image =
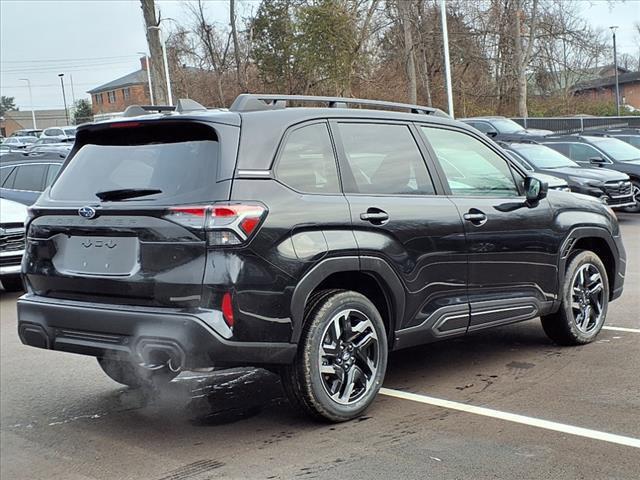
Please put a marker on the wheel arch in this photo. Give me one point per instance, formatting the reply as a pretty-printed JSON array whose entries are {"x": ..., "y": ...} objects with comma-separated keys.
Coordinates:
[{"x": 370, "y": 276}]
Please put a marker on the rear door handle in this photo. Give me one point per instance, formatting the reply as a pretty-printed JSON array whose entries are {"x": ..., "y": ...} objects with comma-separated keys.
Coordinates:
[
  {"x": 375, "y": 216},
  {"x": 475, "y": 216}
]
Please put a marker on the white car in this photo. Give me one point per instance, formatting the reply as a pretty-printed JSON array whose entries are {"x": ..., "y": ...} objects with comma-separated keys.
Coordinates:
[
  {"x": 68, "y": 131},
  {"x": 19, "y": 142},
  {"x": 12, "y": 217}
]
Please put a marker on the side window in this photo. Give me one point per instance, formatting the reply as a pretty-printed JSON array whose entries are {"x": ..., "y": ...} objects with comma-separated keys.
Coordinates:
[
  {"x": 563, "y": 148},
  {"x": 581, "y": 152},
  {"x": 5, "y": 173},
  {"x": 307, "y": 162},
  {"x": 470, "y": 166},
  {"x": 29, "y": 177},
  {"x": 483, "y": 127},
  {"x": 384, "y": 159},
  {"x": 54, "y": 168}
]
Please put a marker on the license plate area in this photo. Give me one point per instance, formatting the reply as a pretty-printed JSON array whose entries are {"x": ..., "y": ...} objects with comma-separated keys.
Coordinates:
[{"x": 97, "y": 256}]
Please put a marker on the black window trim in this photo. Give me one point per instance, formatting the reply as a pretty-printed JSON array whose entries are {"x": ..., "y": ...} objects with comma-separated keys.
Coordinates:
[
  {"x": 272, "y": 172},
  {"x": 604, "y": 155},
  {"x": 483, "y": 139},
  {"x": 343, "y": 164}
]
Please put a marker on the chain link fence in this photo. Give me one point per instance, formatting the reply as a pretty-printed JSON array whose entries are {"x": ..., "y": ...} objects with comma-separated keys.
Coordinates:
[{"x": 578, "y": 124}]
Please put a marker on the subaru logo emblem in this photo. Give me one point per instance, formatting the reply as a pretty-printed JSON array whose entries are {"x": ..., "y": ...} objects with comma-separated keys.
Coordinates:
[{"x": 87, "y": 212}]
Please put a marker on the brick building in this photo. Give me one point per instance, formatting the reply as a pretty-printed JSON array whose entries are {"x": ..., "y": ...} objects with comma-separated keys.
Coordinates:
[
  {"x": 118, "y": 94},
  {"x": 604, "y": 88}
]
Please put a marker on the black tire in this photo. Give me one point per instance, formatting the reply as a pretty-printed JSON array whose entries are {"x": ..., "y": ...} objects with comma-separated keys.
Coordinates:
[
  {"x": 307, "y": 388},
  {"x": 636, "y": 196},
  {"x": 125, "y": 372},
  {"x": 563, "y": 326},
  {"x": 12, "y": 284}
]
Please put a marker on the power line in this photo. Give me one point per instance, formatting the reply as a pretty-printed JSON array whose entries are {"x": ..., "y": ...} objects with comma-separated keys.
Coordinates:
[
  {"x": 72, "y": 68},
  {"x": 77, "y": 59}
]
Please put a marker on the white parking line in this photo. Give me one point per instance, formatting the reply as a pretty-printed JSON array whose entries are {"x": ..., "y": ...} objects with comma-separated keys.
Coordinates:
[
  {"x": 512, "y": 417},
  {"x": 622, "y": 329}
]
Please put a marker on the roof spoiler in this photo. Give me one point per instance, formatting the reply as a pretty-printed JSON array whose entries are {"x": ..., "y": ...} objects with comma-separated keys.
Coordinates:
[{"x": 184, "y": 105}]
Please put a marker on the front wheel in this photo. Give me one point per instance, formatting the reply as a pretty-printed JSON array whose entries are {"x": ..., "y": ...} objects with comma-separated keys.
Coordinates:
[
  {"x": 342, "y": 358},
  {"x": 585, "y": 299}
]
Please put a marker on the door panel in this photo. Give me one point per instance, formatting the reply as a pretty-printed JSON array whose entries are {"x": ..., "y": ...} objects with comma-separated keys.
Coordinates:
[
  {"x": 397, "y": 216},
  {"x": 512, "y": 250}
]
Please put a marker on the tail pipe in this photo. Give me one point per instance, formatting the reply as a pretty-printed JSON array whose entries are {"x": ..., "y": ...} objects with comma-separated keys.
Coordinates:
[{"x": 158, "y": 353}]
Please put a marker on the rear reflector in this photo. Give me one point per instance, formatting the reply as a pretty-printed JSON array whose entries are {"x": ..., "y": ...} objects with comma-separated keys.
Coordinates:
[{"x": 227, "y": 309}]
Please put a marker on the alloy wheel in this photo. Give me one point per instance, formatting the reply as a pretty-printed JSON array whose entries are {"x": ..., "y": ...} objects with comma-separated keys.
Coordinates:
[
  {"x": 587, "y": 298},
  {"x": 349, "y": 356}
]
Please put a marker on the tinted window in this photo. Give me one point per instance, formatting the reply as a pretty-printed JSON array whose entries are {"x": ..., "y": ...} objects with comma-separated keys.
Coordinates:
[
  {"x": 482, "y": 126},
  {"x": 581, "y": 152},
  {"x": 4, "y": 174},
  {"x": 470, "y": 166},
  {"x": 543, "y": 157},
  {"x": 51, "y": 174},
  {"x": 29, "y": 177},
  {"x": 307, "y": 162},
  {"x": 54, "y": 132},
  {"x": 617, "y": 149},
  {"x": 384, "y": 159}
]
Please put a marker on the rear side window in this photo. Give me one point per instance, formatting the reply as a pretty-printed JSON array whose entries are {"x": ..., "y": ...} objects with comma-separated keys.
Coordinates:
[
  {"x": 384, "y": 159},
  {"x": 307, "y": 162},
  {"x": 581, "y": 152},
  {"x": 29, "y": 177},
  {"x": 51, "y": 174},
  {"x": 180, "y": 160}
]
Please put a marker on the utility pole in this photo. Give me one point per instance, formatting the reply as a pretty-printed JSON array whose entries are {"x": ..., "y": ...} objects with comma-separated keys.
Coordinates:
[
  {"x": 447, "y": 66},
  {"x": 64, "y": 98},
  {"x": 166, "y": 63},
  {"x": 151, "y": 19},
  {"x": 33, "y": 113},
  {"x": 615, "y": 66}
]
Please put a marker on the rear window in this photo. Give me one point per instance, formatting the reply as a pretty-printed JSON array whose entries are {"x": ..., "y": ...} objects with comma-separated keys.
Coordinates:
[{"x": 179, "y": 160}]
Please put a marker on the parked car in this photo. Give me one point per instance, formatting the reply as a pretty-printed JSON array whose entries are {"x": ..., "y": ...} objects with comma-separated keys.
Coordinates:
[
  {"x": 27, "y": 132},
  {"x": 502, "y": 128},
  {"x": 19, "y": 142},
  {"x": 553, "y": 183},
  {"x": 610, "y": 153},
  {"x": 311, "y": 241},
  {"x": 629, "y": 135},
  {"x": 12, "y": 217},
  {"x": 57, "y": 141},
  {"x": 4, "y": 149},
  {"x": 63, "y": 132},
  {"x": 24, "y": 176},
  {"x": 611, "y": 187}
]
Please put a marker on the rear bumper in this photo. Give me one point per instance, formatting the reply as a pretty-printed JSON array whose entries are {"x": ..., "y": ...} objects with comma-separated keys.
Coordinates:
[{"x": 98, "y": 330}]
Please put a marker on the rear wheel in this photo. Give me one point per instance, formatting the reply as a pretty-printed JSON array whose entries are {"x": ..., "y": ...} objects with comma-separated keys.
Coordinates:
[
  {"x": 636, "y": 196},
  {"x": 585, "y": 299},
  {"x": 342, "y": 358},
  {"x": 126, "y": 372},
  {"x": 12, "y": 284}
]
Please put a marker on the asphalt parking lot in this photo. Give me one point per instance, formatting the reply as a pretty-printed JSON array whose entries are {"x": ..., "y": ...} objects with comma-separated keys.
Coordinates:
[{"x": 62, "y": 418}]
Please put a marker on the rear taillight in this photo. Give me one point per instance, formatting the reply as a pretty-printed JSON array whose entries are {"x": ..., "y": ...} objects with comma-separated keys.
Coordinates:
[{"x": 225, "y": 223}]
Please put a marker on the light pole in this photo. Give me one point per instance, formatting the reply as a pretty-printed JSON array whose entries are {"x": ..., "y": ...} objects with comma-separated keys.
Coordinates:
[
  {"x": 447, "y": 66},
  {"x": 166, "y": 63},
  {"x": 146, "y": 60},
  {"x": 64, "y": 97},
  {"x": 33, "y": 113},
  {"x": 615, "y": 66}
]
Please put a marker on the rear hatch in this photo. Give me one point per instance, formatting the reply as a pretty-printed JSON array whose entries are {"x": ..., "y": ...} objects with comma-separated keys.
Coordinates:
[{"x": 112, "y": 227}]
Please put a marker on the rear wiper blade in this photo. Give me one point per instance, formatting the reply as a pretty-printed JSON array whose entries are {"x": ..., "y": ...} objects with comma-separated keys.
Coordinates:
[{"x": 124, "y": 193}]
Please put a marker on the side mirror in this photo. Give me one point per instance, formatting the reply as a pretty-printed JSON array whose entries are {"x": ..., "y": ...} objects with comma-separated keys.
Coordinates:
[
  {"x": 492, "y": 134},
  {"x": 534, "y": 190},
  {"x": 599, "y": 161}
]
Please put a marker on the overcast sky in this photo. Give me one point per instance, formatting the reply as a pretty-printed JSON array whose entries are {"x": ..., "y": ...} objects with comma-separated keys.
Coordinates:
[{"x": 95, "y": 41}]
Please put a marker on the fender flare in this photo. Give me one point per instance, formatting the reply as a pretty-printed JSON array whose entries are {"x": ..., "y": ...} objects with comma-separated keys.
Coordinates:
[{"x": 376, "y": 267}]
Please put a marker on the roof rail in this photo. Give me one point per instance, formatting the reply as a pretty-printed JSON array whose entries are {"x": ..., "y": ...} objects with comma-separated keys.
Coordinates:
[
  {"x": 249, "y": 102},
  {"x": 184, "y": 105}
]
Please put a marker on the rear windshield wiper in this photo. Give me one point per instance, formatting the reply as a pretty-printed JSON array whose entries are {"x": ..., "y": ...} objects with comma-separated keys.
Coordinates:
[{"x": 124, "y": 193}]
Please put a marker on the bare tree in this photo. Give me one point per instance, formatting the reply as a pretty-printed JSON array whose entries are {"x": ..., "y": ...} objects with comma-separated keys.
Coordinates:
[
  {"x": 155, "y": 50},
  {"x": 404, "y": 12},
  {"x": 236, "y": 46},
  {"x": 522, "y": 53}
]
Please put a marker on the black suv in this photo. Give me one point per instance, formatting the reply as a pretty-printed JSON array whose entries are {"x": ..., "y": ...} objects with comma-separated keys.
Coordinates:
[
  {"x": 310, "y": 241},
  {"x": 611, "y": 187},
  {"x": 607, "y": 152}
]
